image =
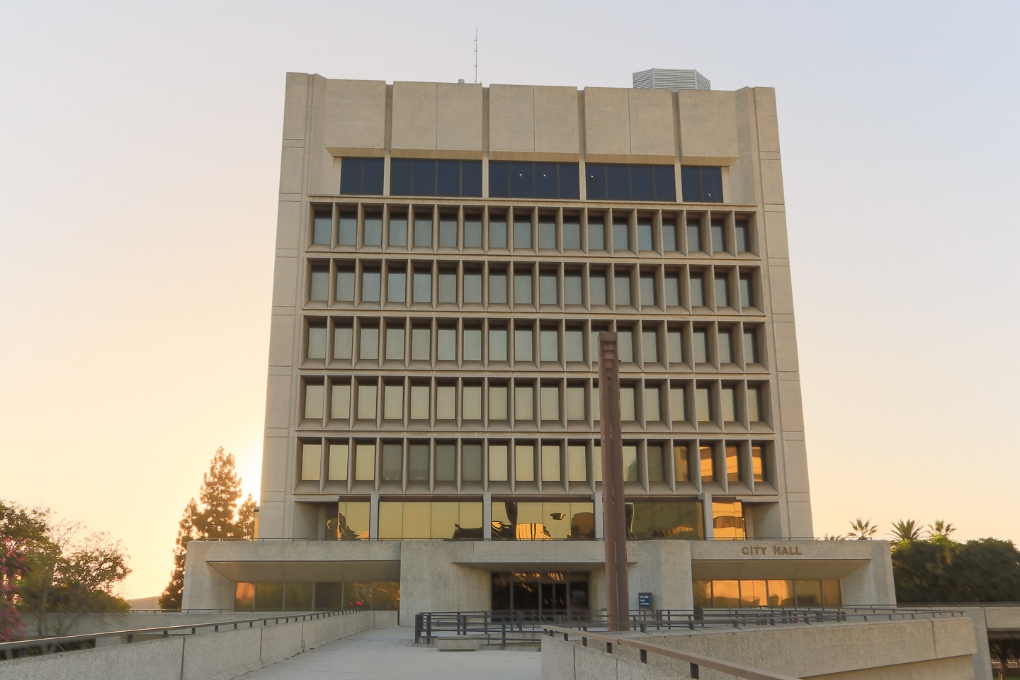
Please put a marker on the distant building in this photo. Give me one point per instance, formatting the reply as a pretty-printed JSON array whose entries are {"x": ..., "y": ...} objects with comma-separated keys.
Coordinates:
[{"x": 446, "y": 257}]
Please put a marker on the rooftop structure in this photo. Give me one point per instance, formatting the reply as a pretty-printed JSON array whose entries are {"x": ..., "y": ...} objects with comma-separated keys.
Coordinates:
[{"x": 671, "y": 79}]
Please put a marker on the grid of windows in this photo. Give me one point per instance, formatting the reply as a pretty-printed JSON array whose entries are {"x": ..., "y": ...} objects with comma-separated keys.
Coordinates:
[
  {"x": 424, "y": 177},
  {"x": 533, "y": 180},
  {"x": 619, "y": 182}
]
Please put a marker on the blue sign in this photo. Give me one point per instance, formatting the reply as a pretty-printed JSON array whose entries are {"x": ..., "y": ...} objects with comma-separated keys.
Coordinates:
[{"x": 644, "y": 599}]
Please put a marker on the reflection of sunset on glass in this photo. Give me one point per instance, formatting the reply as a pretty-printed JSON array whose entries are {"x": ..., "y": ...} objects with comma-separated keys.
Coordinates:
[{"x": 138, "y": 224}]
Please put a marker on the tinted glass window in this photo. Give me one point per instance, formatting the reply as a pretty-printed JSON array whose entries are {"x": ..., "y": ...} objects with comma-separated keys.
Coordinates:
[
  {"x": 571, "y": 234},
  {"x": 546, "y": 235},
  {"x": 448, "y": 286},
  {"x": 644, "y": 234},
  {"x": 718, "y": 236},
  {"x": 370, "y": 286},
  {"x": 669, "y": 243},
  {"x": 497, "y": 232},
  {"x": 533, "y": 180},
  {"x": 596, "y": 235},
  {"x": 545, "y": 180},
  {"x": 373, "y": 230},
  {"x": 595, "y": 180},
  {"x": 701, "y": 184},
  {"x": 522, "y": 180},
  {"x": 361, "y": 176},
  {"x": 472, "y": 287},
  {"x": 424, "y": 177},
  {"x": 448, "y": 231},
  {"x": 617, "y": 182},
  {"x": 697, "y": 290},
  {"x": 322, "y": 232},
  {"x": 395, "y": 286},
  {"x": 319, "y": 285},
  {"x": 630, "y": 182},
  {"x": 693, "y": 236},
  {"x": 621, "y": 234},
  {"x": 423, "y": 231},
  {"x": 522, "y": 232},
  {"x": 345, "y": 285},
  {"x": 348, "y": 233},
  {"x": 499, "y": 180},
  {"x": 743, "y": 232},
  {"x": 572, "y": 289},
  {"x": 398, "y": 232},
  {"x": 642, "y": 183},
  {"x": 472, "y": 232}
]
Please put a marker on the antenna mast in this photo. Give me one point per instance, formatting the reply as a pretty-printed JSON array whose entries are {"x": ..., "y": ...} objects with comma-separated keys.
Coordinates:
[{"x": 476, "y": 56}]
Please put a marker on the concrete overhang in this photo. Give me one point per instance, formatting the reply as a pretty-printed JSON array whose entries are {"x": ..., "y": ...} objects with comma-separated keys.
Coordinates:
[{"x": 304, "y": 570}]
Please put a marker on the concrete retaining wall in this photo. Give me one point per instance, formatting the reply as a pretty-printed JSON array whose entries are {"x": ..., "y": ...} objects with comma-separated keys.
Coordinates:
[
  {"x": 939, "y": 649},
  {"x": 216, "y": 656}
]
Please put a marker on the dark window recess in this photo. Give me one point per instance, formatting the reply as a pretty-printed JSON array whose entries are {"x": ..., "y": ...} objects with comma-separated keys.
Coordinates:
[
  {"x": 533, "y": 180},
  {"x": 701, "y": 184},
  {"x": 420, "y": 177},
  {"x": 361, "y": 176},
  {"x": 630, "y": 182}
]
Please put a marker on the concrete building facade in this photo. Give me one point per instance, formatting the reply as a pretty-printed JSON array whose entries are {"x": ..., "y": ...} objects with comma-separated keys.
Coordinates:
[{"x": 446, "y": 257}]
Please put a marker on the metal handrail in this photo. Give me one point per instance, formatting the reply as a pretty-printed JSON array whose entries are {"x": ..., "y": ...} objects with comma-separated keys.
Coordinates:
[
  {"x": 49, "y": 645},
  {"x": 696, "y": 661}
]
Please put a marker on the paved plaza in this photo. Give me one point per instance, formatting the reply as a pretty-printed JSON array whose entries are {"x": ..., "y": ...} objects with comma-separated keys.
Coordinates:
[{"x": 389, "y": 654}]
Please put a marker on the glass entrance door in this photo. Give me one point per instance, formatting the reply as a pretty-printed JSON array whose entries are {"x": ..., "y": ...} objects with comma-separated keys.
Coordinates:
[{"x": 541, "y": 595}]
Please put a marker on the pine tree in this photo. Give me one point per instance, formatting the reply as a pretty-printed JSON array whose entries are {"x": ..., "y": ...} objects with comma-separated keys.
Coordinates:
[{"x": 218, "y": 517}]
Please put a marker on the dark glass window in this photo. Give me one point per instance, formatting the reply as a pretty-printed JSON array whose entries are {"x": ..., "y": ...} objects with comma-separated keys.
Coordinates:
[
  {"x": 533, "y": 180},
  {"x": 422, "y": 177},
  {"x": 361, "y": 176},
  {"x": 630, "y": 182},
  {"x": 701, "y": 184}
]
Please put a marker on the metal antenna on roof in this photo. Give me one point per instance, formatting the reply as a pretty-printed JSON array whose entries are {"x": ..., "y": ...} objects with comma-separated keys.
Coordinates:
[{"x": 476, "y": 56}]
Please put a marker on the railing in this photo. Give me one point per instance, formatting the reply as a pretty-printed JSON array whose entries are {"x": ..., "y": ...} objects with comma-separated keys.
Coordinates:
[
  {"x": 696, "y": 661},
  {"x": 50, "y": 645},
  {"x": 527, "y": 626}
]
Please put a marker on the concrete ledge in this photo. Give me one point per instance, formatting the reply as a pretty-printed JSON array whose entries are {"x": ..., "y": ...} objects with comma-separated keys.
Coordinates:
[{"x": 458, "y": 644}]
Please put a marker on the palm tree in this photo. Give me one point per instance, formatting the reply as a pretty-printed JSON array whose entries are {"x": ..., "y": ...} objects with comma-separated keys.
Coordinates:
[
  {"x": 837, "y": 537},
  {"x": 862, "y": 529},
  {"x": 906, "y": 530},
  {"x": 940, "y": 530}
]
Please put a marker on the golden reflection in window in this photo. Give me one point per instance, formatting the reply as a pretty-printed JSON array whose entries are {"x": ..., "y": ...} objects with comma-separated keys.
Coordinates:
[
  {"x": 732, "y": 463},
  {"x": 524, "y": 521},
  {"x": 707, "y": 464},
  {"x": 681, "y": 466},
  {"x": 630, "y": 464},
  {"x": 338, "y": 457},
  {"x": 406, "y": 520},
  {"x": 350, "y": 522},
  {"x": 364, "y": 463},
  {"x": 728, "y": 520},
  {"x": 758, "y": 464},
  {"x": 671, "y": 520},
  {"x": 311, "y": 461},
  {"x": 726, "y": 594}
]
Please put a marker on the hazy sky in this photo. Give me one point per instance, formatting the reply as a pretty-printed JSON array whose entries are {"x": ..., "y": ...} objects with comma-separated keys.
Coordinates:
[{"x": 139, "y": 161}]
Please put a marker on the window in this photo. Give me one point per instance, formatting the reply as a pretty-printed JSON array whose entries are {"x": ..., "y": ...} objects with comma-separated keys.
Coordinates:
[
  {"x": 392, "y": 463},
  {"x": 575, "y": 402},
  {"x": 550, "y": 463},
  {"x": 675, "y": 346},
  {"x": 595, "y": 405},
  {"x": 597, "y": 288},
  {"x": 621, "y": 280},
  {"x": 472, "y": 231},
  {"x": 311, "y": 461},
  {"x": 522, "y": 232},
  {"x": 319, "y": 289},
  {"x": 694, "y": 236},
  {"x": 647, "y": 282},
  {"x": 446, "y": 402},
  {"x": 497, "y": 344},
  {"x": 627, "y": 406},
  {"x": 621, "y": 234},
  {"x": 372, "y": 232},
  {"x": 423, "y": 177},
  {"x": 644, "y": 234},
  {"x": 546, "y": 233},
  {"x": 472, "y": 287},
  {"x": 703, "y": 397},
  {"x": 625, "y": 345},
  {"x": 649, "y": 346},
  {"x": 533, "y": 180},
  {"x": 651, "y": 405},
  {"x": 724, "y": 346},
  {"x": 754, "y": 409},
  {"x": 718, "y": 236},
  {"x": 497, "y": 232},
  {"x": 472, "y": 344},
  {"x": 722, "y": 291},
  {"x": 746, "y": 291},
  {"x": 446, "y": 463},
  {"x": 630, "y": 464},
  {"x": 419, "y": 402},
  {"x": 340, "y": 402},
  {"x": 701, "y": 184},
  {"x": 729, "y": 404},
  {"x": 497, "y": 402},
  {"x": 366, "y": 401},
  {"x": 596, "y": 234},
  {"x": 758, "y": 467},
  {"x": 393, "y": 402},
  {"x": 524, "y": 459},
  {"x": 524, "y": 402},
  {"x": 422, "y": 287},
  {"x": 497, "y": 463},
  {"x": 447, "y": 231},
  {"x": 446, "y": 344},
  {"x": 656, "y": 467},
  {"x": 497, "y": 288},
  {"x": 421, "y": 344},
  {"x": 548, "y": 293},
  {"x": 548, "y": 341},
  {"x": 700, "y": 346},
  {"x": 345, "y": 285},
  {"x": 322, "y": 227},
  {"x": 398, "y": 232},
  {"x": 364, "y": 462},
  {"x": 574, "y": 344},
  {"x": 681, "y": 466},
  {"x": 368, "y": 344},
  {"x": 348, "y": 232},
  {"x": 571, "y": 233},
  {"x": 672, "y": 286},
  {"x": 677, "y": 404},
  {"x": 577, "y": 464},
  {"x": 707, "y": 463},
  {"x": 522, "y": 287},
  {"x": 447, "y": 286},
  {"x": 670, "y": 243},
  {"x": 338, "y": 456},
  {"x": 523, "y": 344},
  {"x": 743, "y": 233},
  {"x": 630, "y": 182},
  {"x": 361, "y": 176},
  {"x": 471, "y": 463},
  {"x": 343, "y": 341},
  {"x": 370, "y": 283},
  {"x": 471, "y": 402},
  {"x": 394, "y": 342},
  {"x": 396, "y": 286},
  {"x": 732, "y": 464},
  {"x": 750, "y": 348},
  {"x": 418, "y": 463},
  {"x": 572, "y": 288},
  {"x": 550, "y": 403},
  {"x": 697, "y": 290},
  {"x": 314, "y": 396},
  {"x": 316, "y": 342},
  {"x": 423, "y": 231}
]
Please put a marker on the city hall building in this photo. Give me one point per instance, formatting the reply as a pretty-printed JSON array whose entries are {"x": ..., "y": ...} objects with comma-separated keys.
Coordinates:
[{"x": 446, "y": 257}]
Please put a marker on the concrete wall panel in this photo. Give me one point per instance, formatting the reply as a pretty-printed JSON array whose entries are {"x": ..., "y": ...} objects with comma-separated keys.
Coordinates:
[
  {"x": 556, "y": 120},
  {"x": 459, "y": 117},
  {"x": 292, "y": 169},
  {"x": 281, "y": 642},
  {"x": 281, "y": 340},
  {"x": 223, "y": 655},
  {"x": 355, "y": 113},
  {"x": 278, "y": 401},
  {"x": 511, "y": 118},
  {"x": 781, "y": 288},
  {"x": 414, "y": 115},
  {"x": 772, "y": 182},
  {"x": 786, "y": 347},
  {"x": 775, "y": 235},
  {"x": 708, "y": 132},
  {"x": 607, "y": 121},
  {"x": 153, "y": 660},
  {"x": 651, "y": 123},
  {"x": 295, "y": 110},
  {"x": 285, "y": 281},
  {"x": 795, "y": 460},
  {"x": 288, "y": 224},
  {"x": 792, "y": 409},
  {"x": 274, "y": 462},
  {"x": 767, "y": 119}
]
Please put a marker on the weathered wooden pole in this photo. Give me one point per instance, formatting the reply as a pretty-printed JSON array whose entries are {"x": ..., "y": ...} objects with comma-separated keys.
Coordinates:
[{"x": 614, "y": 515}]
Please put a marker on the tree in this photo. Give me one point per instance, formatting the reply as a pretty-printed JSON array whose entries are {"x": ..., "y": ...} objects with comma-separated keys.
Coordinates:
[
  {"x": 906, "y": 530},
  {"x": 862, "y": 529},
  {"x": 940, "y": 530},
  {"x": 940, "y": 570},
  {"x": 21, "y": 529},
  {"x": 1003, "y": 650},
  {"x": 218, "y": 517}
]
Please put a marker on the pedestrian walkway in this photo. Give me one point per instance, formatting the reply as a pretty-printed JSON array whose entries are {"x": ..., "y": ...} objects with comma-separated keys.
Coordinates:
[{"x": 389, "y": 654}]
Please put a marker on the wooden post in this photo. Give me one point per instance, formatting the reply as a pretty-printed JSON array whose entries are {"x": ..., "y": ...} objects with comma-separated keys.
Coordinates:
[{"x": 614, "y": 515}]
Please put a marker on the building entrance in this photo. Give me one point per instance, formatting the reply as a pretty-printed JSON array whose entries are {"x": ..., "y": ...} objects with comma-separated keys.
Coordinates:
[{"x": 548, "y": 595}]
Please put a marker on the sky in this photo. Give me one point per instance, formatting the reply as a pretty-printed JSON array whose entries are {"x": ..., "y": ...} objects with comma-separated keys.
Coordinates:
[{"x": 139, "y": 166}]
